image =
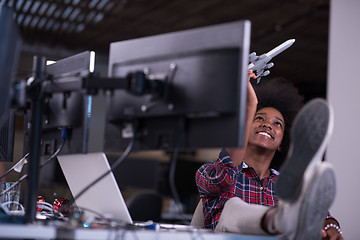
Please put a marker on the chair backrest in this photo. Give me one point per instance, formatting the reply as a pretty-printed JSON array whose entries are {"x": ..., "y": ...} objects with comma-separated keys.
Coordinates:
[
  {"x": 145, "y": 205},
  {"x": 198, "y": 216}
]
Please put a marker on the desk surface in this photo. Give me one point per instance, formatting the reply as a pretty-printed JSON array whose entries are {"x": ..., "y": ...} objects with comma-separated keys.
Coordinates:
[{"x": 34, "y": 231}]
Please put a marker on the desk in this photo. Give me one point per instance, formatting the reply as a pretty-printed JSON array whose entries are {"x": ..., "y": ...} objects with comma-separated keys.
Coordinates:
[{"x": 34, "y": 231}]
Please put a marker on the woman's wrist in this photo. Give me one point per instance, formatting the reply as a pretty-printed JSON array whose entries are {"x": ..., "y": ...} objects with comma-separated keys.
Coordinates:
[{"x": 334, "y": 226}]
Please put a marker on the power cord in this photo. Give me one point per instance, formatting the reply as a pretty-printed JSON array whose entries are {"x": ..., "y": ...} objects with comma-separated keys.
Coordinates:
[
  {"x": 64, "y": 135},
  {"x": 112, "y": 168},
  {"x": 17, "y": 167},
  {"x": 172, "y": 169}
]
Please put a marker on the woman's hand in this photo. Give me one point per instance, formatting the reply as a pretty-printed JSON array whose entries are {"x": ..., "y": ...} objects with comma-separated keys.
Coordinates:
[
  {"x": 331, "y": 234},
  {"x": 331, "y": 230}
]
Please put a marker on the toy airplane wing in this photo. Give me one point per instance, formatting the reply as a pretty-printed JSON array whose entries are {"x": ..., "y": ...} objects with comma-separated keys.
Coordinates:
[{"x": 261, "y": 64}]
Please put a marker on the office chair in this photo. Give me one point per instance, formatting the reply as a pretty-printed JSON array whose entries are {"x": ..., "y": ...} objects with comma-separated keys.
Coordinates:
[
  {"x": 145, "y": 205},
  {"x": 197, "y": 219}
]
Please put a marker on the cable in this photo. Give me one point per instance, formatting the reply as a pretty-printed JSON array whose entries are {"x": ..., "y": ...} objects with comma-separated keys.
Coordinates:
[
  {"x": 126, "y": 153},
  {"x": 47, "y": 210},
  {"x": 173, "y": 167},
  {"x": 20, "y": 164},
  {"x": 9, "y": 204},
  {"x": 64, "y": 137},
  {"x": 53, "y": 155},
  {"x": 113, "y": 166},
  {"x": 13, "y": 185}
]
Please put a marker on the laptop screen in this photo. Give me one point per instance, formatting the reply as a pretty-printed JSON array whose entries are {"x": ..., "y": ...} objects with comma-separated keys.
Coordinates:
[{"x": 104, "y": 197}]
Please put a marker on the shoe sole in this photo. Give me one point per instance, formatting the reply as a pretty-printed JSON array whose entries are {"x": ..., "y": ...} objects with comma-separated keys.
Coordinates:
[
  {"x": 310, "y": 133},
  {"x": 318, "y": 196}
]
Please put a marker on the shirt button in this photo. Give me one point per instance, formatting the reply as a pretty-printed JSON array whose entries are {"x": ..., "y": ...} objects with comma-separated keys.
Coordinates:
[{"x": 261, "y": 188}]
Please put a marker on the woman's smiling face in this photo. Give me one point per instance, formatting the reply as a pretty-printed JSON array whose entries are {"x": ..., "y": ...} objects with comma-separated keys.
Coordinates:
[{"x": 267, "y": 129}]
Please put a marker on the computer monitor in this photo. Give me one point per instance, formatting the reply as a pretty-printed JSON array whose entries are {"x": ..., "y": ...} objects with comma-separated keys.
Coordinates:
[
  {"x": 10, "y": 44},
  {"x": 65, "y": 106},
  {"x": 197, "y": 83}
]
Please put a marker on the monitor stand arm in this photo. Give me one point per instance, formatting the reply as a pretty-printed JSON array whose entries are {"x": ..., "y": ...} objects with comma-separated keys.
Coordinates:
[
  {"x": 137, "y": 83},
  {"x": 35, "y": 94}
]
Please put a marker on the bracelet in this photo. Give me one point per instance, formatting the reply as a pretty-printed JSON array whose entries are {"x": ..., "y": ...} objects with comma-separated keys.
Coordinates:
[{"x": 331, "y": 225}]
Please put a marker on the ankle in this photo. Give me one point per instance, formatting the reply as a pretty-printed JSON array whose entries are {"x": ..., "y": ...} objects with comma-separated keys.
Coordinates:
[{"x": 267, "y": 223}]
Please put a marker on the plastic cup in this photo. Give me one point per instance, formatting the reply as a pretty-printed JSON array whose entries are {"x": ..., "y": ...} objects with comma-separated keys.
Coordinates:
[{"x": 10, "y": 199}]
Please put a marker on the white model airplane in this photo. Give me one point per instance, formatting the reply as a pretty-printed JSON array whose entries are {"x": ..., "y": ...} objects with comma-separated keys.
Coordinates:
[{"x": 261, "y": 64}]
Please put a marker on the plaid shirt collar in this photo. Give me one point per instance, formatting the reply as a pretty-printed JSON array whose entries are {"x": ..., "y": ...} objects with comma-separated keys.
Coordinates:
[{"x": 244, "y": 165}]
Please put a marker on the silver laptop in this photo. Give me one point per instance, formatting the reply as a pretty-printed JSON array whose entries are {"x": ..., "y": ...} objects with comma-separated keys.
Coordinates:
[{"x": 104, "y": 197}]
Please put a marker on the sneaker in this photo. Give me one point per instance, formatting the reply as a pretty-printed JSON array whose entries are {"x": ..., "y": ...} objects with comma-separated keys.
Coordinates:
[
  {"x": 304, "y": 218},
  {"x": 309, "y": 135}
]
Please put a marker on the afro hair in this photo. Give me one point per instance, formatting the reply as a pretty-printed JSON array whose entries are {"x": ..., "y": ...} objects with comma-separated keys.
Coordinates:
[{"x": 282, "y": 95}]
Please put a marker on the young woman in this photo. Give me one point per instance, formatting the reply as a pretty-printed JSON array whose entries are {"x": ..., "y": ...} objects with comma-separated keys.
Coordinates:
[{"x": 248, "y": 174}]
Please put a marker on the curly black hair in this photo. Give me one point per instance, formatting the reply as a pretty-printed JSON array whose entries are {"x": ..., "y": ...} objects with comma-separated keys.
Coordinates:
[{"x": 282, "y": 95}]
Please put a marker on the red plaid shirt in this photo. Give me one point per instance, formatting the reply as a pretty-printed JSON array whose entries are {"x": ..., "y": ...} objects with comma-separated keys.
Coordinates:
[{"x": 220, "y": 180}]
